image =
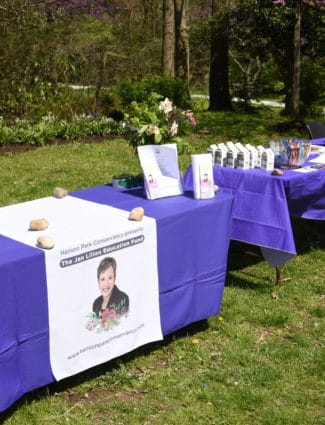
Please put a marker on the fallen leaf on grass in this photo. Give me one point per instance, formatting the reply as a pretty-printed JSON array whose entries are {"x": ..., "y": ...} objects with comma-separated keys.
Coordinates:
[{"x": 262, "y": 338}]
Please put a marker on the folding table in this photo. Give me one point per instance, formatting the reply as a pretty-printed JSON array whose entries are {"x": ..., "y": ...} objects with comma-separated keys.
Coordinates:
[
  {"x": 192, "y": 243},
  {"x": 264, "y": 203}
]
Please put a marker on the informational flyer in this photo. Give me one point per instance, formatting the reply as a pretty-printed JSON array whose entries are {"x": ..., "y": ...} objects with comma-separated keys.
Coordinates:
[
  {"x": 103, "y": 298},
  {"x": 203, "y": 181},
  {"x": 160, "y": 169}
]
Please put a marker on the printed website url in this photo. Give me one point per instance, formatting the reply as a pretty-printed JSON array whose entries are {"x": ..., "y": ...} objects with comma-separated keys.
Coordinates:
[{"x": 107, "y": 341}]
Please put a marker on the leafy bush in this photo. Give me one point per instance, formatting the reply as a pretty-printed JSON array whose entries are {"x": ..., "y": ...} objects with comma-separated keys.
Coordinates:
[
  {"x": 311, "y": 88},
  {"x": 49, "y": 128},
  {"x": 43, "y": 99},
  {"x": 109, "y": 103},
  {"x": 140, "y": 90}
]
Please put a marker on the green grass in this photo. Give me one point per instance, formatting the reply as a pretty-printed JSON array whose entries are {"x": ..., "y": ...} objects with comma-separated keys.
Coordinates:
[{"x": 261, "y": 361}]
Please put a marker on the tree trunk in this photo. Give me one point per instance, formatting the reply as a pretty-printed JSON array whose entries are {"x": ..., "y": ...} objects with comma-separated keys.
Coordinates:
[
  {"x": 219, "y": 60},
  {"x": 289, "y": 67},
  {"x": 168, "y": 37},
  {"x": 296, "y": 63},
  {"x": 182, "y": 56},
  {"x": 284, "y": 63}
]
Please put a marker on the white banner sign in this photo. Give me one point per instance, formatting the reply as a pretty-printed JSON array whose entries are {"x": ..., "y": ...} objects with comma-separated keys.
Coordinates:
[{"x": 103, "y": 297}]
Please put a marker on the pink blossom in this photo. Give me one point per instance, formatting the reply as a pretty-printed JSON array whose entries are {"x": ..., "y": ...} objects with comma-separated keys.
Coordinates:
[
  {"x": 174, "y": 128},
  {"x": 190, "y": 116},
  {"x": 90, "y": 325},
  {"x": 104, "y": 317},
  {"x": 112, "y": 314},
  {"x": 321, "y": 2}
]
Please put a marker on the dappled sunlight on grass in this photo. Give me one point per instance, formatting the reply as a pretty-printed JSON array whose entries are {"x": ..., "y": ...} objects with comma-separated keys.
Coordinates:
[{"x": 260, "y": 361}]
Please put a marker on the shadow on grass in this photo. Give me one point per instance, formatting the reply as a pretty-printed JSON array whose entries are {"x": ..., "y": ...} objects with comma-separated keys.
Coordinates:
[
  {"x": 242, "y": 255},
  {"x": 95, "y": 372},
  {"x": 241, "y": 258},
  {"x": 308, "y": 234},
  {"x": 252, "y": 282}
]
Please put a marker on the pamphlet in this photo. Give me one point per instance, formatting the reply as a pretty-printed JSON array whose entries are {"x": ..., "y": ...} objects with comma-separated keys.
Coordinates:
[
  {"x": 160, "y": 169},
  {"x": 203, "y": 176}
]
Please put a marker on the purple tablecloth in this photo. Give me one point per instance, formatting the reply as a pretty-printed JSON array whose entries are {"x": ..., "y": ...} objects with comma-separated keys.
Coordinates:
[
  {"x": 193, "y": 240},
  {"x": 263, "y": 205},
  {"x": 305, "y": 193},
  {"x": 320, "y": 142}
]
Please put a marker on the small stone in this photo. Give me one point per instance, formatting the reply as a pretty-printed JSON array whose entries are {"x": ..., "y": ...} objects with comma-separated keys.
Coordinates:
[
  {"x": 38, "y": 224},
  {"x": 136, "y": 214},
  {"x": 45, "y": 242},
  {"x": 276, "y": 172},
  {"x": 59, "y": 192}
]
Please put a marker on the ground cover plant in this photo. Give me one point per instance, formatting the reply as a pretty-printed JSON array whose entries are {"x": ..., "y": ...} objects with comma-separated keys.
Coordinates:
[{"x": 260, "y": 361}]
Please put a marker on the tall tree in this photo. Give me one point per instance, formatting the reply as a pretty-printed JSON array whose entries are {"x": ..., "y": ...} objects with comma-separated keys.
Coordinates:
[
  {"x": 295, "y": 107},
  {"x": 169, "y": 37},
  {"x": 280, "y": 31},
  {"x": 219, "y": 60},
  {"x": 292, "y": 104},
  {"x": 182, "y": 49},
  {"x": 176, "y": 49}
]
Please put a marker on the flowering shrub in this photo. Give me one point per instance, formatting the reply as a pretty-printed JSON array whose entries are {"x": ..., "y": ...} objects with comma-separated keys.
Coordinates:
[{"x": 156, "y": 122}]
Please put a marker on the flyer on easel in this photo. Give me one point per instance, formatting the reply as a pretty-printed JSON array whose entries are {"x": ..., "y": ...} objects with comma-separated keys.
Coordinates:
[{"x": 161, "y": 171}]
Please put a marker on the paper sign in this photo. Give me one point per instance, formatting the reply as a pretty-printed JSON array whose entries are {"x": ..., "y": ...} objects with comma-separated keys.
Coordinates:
[
  {"x": 161, "y": 172},
  {"x": 203, "y": 176},
  {"x": 92, "y": 320}
]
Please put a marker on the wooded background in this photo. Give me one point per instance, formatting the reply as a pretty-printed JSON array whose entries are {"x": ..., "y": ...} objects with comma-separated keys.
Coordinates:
[{"x": 224, "y": 48}]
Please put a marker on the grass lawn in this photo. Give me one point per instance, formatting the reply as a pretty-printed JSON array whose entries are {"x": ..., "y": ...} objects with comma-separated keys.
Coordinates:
[{"x": 261, "y": 361}]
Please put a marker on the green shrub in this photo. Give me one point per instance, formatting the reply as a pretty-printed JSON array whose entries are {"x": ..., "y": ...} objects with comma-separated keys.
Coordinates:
[
  {"x": 43, "y": 99},
  {"x": 50, "y": 128},
  {"x": 140, "y": 90},
  {"x": 109, "y": 103},
  {"x": 311, "y": 88}
]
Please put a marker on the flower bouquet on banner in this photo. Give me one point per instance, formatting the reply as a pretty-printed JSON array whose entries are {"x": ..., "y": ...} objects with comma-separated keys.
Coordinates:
[{"x": 158, "y": 121}]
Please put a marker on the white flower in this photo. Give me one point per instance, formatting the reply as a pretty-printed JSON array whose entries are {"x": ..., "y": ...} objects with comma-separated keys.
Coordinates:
[
  {"x": 49, "y": 117},
  {"x": 174, "y": 128},
  {"x": 154, "y": 129},
  {"x": 166, "y": 105}
]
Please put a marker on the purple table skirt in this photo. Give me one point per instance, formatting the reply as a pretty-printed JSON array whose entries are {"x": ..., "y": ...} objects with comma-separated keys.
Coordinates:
[
  {"x": 193, "y": 240},
  {"x": 263, "y": 205}
]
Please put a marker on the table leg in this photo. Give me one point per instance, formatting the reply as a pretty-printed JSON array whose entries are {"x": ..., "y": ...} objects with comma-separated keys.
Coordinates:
[{"x": 278, "y": 274}]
